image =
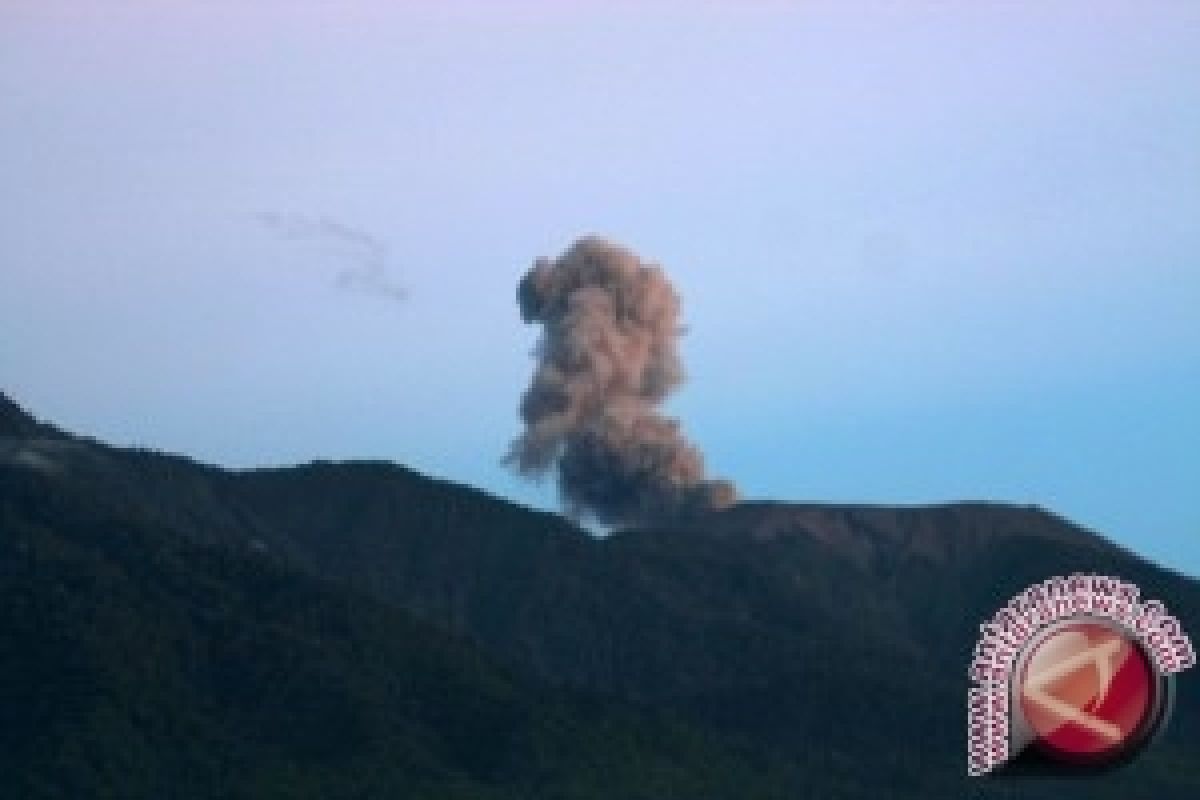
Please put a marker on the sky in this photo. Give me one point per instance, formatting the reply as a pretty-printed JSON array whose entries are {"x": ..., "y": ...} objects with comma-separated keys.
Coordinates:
[{"x": 927, "y": 252}]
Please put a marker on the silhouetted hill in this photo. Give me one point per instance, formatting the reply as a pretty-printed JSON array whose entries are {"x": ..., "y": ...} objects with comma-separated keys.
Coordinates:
[
  {"x": 807, "y": 650},
  {"x": 136, "y": 662},
  {"x": 17, "y": 422}
]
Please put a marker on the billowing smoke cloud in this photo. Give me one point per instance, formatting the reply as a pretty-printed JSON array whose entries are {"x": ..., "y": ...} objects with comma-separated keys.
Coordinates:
[
  {"x": 367, "y": 256},
  {"x": 607, "y": 358}
]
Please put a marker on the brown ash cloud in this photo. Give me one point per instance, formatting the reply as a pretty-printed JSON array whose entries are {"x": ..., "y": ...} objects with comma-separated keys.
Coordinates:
[{"x": 606, "y": 360}]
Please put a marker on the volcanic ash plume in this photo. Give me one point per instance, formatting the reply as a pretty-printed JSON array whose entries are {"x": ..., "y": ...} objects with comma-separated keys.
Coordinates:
[{"x": 606, "y": 359}]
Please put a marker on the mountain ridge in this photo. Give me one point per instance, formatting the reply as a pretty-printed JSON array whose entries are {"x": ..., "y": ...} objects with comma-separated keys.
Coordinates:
[
  {"x": 17, "y": 422},
  {"x": 773, "y": 625}
]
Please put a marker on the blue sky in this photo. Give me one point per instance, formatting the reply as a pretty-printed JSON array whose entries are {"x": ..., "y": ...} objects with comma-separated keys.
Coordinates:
[{"x": 927, "y": 252}]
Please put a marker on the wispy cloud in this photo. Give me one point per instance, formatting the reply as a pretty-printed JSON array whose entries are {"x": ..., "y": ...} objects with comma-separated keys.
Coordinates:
[{"x": 368, "y": 268}]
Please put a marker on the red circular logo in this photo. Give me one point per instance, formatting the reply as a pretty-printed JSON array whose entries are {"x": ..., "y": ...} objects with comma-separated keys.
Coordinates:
[{"x": 1089, "y": 692}]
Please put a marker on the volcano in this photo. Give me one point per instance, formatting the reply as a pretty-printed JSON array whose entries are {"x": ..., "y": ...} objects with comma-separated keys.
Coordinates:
[{"x": 356, "y": 629}]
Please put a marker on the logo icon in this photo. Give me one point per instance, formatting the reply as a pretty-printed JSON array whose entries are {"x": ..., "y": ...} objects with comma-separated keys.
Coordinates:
[
  {"x": 1073, "y": 674},
  {"x": 1088, "y": 693}
]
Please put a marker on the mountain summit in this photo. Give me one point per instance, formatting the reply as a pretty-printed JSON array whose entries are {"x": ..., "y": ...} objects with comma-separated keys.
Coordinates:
[
  {"x": 359, "y": 630},
  {"x": 15, "y": 421}
]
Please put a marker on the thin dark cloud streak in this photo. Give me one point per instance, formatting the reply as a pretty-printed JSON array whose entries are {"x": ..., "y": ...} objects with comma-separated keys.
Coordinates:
[{"x": 369, "y": 259}]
